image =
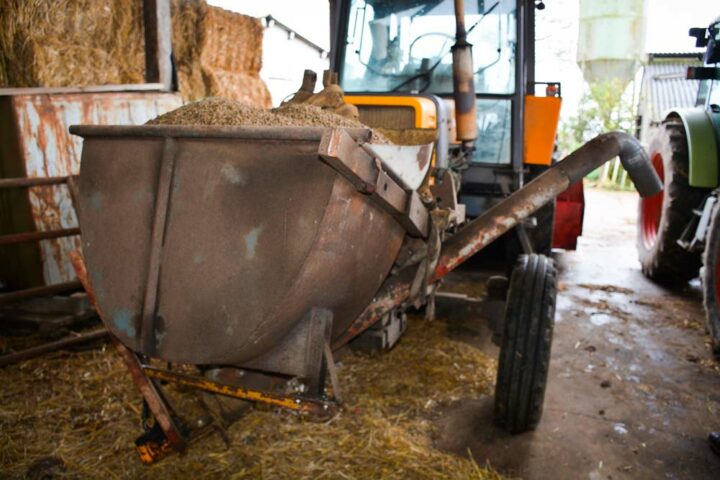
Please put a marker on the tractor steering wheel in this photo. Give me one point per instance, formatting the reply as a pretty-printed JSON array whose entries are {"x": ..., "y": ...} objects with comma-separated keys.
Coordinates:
[{"x": 448, "y": 38}]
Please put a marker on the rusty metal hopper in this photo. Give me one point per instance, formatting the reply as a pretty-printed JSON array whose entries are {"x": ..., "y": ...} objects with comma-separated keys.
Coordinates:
[{"x": 207, "y": 245}]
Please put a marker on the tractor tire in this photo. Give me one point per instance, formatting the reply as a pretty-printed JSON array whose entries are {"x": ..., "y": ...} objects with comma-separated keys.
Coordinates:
[
  {"x": 662, "y": 218},
  {"x": 526, "y": 343},
  {"x": 710, "y": 276}
]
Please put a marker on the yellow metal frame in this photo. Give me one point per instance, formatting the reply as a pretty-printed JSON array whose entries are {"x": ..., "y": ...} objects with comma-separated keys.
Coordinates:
[
  {"x": 291, "y": 402},
  {"x": 425, "y": 110}
]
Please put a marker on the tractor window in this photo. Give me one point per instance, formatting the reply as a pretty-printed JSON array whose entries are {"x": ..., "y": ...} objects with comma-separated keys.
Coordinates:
[
  {"x": 494, "y": 120},
  {"x": 714, "y": 98},
  {"x": 404, "y": 46},
  {"x": 703, "y": 91}
]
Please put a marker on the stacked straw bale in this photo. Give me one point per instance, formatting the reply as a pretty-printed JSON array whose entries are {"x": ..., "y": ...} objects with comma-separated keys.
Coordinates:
[
  {"x": 90, "y": 42},
  {"x": 70, "y": 42},
  {"x": 231, "y": 57}
]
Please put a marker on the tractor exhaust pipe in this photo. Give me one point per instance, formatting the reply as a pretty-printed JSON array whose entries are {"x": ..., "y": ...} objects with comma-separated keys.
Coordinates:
[
  {"x": 486, "y": 228},
  {"x": 463, "y": 82}
]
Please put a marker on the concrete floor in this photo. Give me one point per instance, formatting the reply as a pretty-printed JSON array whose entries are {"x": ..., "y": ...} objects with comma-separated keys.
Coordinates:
[{"x": 633, "y": 390}]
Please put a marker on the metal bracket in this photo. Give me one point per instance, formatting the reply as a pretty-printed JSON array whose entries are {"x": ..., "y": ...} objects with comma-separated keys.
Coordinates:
[
  {"x": 339, "y": 151},
  {"x": 520, "y": 230},
  {"x": 300, "y": 352},
  {"x": 156, "y": 401},
  {"x": 291, "y": 402},
  {"x": 332, "y": 372},
  {"x": 162, "y": 203},
  {"x": 151, "y": 392},
  {"x": 693, "y": 237},
  {"x": 383, "y": 335}
]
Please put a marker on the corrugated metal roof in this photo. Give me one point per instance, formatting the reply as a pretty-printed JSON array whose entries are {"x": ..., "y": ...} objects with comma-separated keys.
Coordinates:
[{"x": 664, "y": 83}]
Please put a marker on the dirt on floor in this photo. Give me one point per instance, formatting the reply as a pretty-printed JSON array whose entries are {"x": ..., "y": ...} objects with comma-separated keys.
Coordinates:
[{"x": 633, "y": 390}]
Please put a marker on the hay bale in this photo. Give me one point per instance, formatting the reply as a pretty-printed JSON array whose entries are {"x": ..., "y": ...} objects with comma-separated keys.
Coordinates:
[
  {"x": 70, "y": 42},
  {"x": 86, "y": 42},
  {"x": 188, "y": 37},
  {"x": 233, "y": 42},
  {"x": 242, "y": 87},
  {"x": 218, "y": 53}
]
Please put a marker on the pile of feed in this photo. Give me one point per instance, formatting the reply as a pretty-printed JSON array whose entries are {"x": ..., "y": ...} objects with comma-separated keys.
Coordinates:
[
  {"x": 87, "y": 42},
  {"x": 224, "y": 111},
  {"x": 79, "y": 414}
]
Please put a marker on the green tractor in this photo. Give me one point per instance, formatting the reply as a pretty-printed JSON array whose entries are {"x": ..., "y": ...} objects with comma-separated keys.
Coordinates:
[{"x": 679, "y": 228}]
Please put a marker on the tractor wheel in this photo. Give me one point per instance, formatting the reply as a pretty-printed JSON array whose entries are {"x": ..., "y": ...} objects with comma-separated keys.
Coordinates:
[
  {"x": 711, "y": 281},
  {"x": 525, "y": 350},
  {"x": 662, "y": 218}
]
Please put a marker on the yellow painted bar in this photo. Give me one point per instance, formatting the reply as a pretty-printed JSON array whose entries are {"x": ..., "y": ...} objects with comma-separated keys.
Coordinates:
[{"x": 292, "y": 403}]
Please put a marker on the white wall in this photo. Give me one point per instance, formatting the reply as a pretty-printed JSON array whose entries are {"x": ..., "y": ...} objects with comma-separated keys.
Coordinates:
[{"x": 284, "y": 61}]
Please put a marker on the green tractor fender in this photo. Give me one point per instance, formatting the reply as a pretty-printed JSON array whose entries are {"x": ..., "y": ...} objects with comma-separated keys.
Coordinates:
[{"x": 703, "y": 131}]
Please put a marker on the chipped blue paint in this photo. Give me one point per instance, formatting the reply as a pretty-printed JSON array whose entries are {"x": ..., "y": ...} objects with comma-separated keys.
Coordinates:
[
  {"x": 123, "y": 320},
  {"x": 251, "y": 241},
  {"x": 140, "y": 197},
  {"x": 198, "y": 258},
  {"x": 159, "y": 337},
  {"x": 96, "y": 284},
  {"x": 232, "y": 174}
]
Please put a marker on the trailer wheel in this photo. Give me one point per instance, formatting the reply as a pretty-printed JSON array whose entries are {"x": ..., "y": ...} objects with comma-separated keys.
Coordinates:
[
  {"x": 710, "y": 276},
  {"x": 527, "y": 339},
  {"x": 662, "y": 218}
]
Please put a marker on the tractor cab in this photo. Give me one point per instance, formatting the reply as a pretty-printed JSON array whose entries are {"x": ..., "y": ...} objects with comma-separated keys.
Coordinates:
[
  {"x": 395, "y": 63},
  {"x": 709, "y": 88}
]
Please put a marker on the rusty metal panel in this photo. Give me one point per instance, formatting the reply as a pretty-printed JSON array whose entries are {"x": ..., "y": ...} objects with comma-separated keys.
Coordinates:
[{"x": 46, "y": 149}]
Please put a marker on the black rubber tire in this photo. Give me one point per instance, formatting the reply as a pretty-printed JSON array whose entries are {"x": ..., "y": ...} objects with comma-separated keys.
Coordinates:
[
  {"x": 526, "y": 344},
  {"x": 709, "y": 277},
  {"x": 661, "y": 258}
]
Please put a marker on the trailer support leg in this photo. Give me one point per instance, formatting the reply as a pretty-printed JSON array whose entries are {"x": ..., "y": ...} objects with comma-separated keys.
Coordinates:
[{"x": 151, "y": 392}]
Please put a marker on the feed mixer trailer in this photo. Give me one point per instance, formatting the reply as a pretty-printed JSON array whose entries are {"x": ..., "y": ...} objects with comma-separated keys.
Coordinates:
[{"x": 248, "y": 256}]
